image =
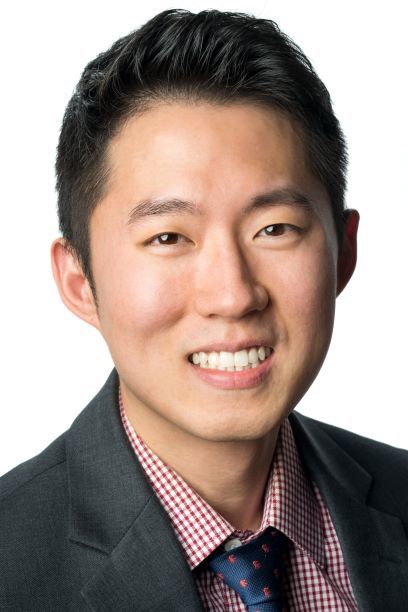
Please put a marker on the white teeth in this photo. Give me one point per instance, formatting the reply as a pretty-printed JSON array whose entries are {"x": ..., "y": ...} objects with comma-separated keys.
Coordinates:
[
  {"x": 253, "y": 356},
  {"x": 231, "y": 362},
  {"x": 241, "y": 359},
  {"x": 226, "y": 360},
  {"x": 213, "y": 360},
  {"x": 203, "y": 357}
]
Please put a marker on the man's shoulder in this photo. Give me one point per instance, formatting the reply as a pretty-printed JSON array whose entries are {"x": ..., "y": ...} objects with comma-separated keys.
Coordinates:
[
  {"x": 31, "y": 473},
  {"x": 33, "y": 502},
  {"x": 51, "y": 462},
  {"x": 348, "y": 452},
  {"x": 358, "y": 446},
  {"x": 39, "y": 568}
]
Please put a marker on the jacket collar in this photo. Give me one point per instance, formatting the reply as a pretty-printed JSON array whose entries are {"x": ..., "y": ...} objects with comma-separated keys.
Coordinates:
[
  {"x": 113, "y": 510},
  {"x": 374, "y": 543}
]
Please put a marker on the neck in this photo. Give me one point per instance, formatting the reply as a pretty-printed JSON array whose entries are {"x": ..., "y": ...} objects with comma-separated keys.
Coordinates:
[
  {"x": 237, "y": 490},
  {"x": 231, "y": 476}
]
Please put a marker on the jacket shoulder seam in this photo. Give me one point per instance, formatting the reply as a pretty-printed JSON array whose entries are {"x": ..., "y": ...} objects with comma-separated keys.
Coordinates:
[{"x": 30, "y": 479}]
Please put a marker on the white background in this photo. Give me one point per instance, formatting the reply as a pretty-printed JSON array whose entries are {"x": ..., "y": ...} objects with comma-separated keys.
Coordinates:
[{"x": 52, "y": 363}]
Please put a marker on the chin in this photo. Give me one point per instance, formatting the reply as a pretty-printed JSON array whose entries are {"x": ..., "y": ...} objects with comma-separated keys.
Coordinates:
[{"x": 237, "y": 429}]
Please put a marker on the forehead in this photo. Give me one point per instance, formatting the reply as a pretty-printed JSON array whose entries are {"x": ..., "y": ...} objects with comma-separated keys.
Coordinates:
[
  {"x": 208, "y": 154},
  {"x": 199, "y": 133}
]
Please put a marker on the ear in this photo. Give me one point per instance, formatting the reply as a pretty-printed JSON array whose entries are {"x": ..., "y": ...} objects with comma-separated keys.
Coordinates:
[
  {"x": 347, "y": 257},
  {"x": 72, "y": 284}
]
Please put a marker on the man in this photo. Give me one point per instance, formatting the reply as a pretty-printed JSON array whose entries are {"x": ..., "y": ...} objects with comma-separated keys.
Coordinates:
[{"x": 201, "y": 176}]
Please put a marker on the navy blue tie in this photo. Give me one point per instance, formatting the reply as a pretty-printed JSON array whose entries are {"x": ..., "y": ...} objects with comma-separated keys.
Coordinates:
[{"x": 255, "y": 571}]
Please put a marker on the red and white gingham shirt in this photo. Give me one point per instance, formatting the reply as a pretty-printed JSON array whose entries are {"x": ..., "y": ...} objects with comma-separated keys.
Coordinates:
[{"x": 316, "y": 576}]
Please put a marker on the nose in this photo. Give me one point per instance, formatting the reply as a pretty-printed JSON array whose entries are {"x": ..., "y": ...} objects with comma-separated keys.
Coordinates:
[{"x": 225, "y": 285}]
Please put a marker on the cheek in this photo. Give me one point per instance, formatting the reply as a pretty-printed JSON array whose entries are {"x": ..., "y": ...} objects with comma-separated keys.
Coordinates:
[
  {"x": 141, "y": 299},
  {"x": 307, "y": 287},
  {"x": 305, "y": 319}
]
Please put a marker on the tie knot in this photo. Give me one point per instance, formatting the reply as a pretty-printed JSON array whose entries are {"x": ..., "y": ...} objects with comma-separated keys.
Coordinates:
[{"x": 255, "y": 570}]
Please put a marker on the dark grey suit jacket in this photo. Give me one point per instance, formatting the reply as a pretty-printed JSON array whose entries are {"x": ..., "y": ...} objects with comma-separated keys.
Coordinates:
[{"x": 81, "y": 529}]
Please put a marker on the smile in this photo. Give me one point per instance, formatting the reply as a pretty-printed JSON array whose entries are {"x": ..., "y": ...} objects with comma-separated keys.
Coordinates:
[{"x": 226, "y": 361}]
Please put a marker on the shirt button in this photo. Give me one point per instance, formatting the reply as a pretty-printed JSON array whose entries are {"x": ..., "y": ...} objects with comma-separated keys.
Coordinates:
[{"x": 234, "y": 543}]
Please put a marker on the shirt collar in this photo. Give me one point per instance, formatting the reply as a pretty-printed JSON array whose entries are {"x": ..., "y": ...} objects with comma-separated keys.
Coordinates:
[{"x": 290, "y": 504}]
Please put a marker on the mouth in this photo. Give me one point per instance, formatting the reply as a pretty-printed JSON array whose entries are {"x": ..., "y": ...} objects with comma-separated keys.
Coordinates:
[
  {"x": 245, "y": 368},
  {"x": 226, "y": 361}
]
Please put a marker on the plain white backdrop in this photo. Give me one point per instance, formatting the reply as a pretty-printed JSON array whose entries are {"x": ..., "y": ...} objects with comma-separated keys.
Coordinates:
[{"x": 53, "y": 363}]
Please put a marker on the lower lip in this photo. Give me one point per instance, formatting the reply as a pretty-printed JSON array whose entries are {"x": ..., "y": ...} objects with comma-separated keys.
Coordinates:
[{"x": 246, "y": 379}]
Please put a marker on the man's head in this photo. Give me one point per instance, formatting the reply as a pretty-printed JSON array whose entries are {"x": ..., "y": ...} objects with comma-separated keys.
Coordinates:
[
  {"x": 212, "y": 166},
  {"x": 217, "y": 57}
]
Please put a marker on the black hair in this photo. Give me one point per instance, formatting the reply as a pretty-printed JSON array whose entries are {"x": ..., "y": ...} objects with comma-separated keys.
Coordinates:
[{"x": 214, "y": 56}]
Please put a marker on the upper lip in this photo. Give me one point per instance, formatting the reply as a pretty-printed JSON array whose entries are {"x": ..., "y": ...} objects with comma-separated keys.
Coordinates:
[{"x": 231, "y": 347}]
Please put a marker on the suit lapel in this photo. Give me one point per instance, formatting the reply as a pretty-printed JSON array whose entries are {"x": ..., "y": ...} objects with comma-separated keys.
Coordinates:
[
  {"x": 114, "y": 510},
  {"x": 374, "y": 543},
  {"x": 145, "y": 571}
]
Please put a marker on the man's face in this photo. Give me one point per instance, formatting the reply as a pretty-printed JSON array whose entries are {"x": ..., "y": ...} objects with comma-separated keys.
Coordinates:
[{"x": 213, "y": 237}]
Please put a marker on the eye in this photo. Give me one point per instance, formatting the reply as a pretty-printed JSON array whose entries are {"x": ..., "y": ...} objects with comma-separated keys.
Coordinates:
[
  {"x": 167, "y": 238},
  {"x": 278, "y": 229}
]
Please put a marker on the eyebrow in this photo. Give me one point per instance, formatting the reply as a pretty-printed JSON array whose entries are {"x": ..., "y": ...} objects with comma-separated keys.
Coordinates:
[
  {"x": 279, "y": 197},
  {"x": 161, "y": 206},
  {"x": 178, "y": 206}
]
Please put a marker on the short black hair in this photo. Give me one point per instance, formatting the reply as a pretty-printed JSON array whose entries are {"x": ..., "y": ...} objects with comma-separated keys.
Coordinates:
[{"x": 214, "y": 56}]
